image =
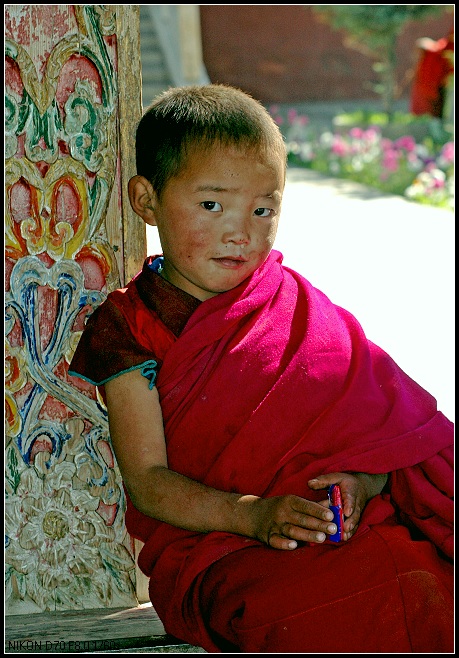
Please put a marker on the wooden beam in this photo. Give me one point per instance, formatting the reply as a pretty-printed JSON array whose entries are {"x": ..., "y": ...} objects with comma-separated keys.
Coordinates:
[
  {"x": 100, "y": 630},
  {"x": 130, "y": 112}
]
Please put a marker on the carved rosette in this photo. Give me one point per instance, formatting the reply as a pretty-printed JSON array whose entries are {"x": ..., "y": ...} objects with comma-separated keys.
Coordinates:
[{"x": 66, "y": 543}]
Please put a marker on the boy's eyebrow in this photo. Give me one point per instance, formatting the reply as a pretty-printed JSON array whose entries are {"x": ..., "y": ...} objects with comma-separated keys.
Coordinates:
[{"x": 216, "y": 188}]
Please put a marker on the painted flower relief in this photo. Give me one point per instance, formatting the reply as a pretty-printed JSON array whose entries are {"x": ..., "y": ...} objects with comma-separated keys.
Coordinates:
[{"x": 59, "y": 551}]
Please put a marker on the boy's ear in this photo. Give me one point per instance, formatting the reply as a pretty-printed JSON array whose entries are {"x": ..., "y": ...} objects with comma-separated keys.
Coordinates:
[{"x": 142, "y": 198}]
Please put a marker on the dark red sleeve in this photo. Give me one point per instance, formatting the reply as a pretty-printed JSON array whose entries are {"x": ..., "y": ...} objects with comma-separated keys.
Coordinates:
[
  {"x": 107, "y": 348},
  {"x": 424, "y": 496}
]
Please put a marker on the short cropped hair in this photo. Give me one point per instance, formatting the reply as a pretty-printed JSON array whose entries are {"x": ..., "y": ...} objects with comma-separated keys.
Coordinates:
[{"x": 198, "y": 116}]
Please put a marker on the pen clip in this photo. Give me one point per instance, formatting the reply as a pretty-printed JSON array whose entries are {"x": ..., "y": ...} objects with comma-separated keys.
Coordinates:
[
  {"x": 334, "y": 495},
  {"x": 336, "y": 506}
]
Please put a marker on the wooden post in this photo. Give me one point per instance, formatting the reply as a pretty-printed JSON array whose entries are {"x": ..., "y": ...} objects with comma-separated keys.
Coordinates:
[{"x": 73, "y": 98}]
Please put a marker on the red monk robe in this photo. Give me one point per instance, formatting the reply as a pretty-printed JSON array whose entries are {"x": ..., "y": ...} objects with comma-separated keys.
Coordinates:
[
  {"x": 434, "y": 66},
  {"x": 267, "y": 386}
]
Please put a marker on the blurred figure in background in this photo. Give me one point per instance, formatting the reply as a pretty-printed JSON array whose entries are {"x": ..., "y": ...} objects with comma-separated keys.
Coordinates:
[{"x": 434, "y": 67}]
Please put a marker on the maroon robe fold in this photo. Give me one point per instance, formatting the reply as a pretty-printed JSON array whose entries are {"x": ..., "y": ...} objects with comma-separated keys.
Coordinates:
[{"x": 267, "y": 386}]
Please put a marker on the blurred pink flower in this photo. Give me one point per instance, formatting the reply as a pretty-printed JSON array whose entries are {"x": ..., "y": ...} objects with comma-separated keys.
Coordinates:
[
  {"x": 371, "y": 134},
  {"x": 390, "y": 160},
  {"x": 437, "y": 178},
  {"x": 339, "y": 146},
  {"x": 386, "y": 144},
  {"x": 447, "y": 152},
  {"x": 356, "y": 133},
  {"x": 406, "y": 142},
  {"x": 302, "y": 120}
]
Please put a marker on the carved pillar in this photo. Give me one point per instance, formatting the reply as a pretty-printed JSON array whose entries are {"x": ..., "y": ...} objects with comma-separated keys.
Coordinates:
[{"x": 72, "y": 100}]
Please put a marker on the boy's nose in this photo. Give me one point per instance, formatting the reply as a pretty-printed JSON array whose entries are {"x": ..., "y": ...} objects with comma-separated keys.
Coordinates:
[
  {"x": 237, "y": 233},
  {"x": 237, "y": 239}
]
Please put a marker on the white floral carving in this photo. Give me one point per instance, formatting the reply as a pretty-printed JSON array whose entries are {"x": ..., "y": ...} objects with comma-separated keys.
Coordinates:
[{"x": 59, "y": 551}]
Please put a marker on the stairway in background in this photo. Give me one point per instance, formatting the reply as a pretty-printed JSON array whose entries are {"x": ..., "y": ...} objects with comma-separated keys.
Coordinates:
[{"x": 155, "y": 76}]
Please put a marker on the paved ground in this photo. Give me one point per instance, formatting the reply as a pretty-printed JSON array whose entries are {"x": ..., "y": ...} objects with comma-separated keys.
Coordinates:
[{"x": 388, "y": 261}]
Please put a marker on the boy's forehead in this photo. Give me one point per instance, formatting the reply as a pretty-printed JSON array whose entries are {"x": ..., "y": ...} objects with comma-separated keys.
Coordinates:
[{"x": 208, "y": 151}]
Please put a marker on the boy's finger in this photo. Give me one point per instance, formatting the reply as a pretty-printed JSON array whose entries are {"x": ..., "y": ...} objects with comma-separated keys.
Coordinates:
[
  {"x": 282, "y": 543},
  {"x": 318, "y": 483},
  {"x": 322, "y": 481}
]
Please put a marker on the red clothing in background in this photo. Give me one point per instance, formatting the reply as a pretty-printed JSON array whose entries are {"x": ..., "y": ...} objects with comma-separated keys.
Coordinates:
[{"x": 431, "y": 75}]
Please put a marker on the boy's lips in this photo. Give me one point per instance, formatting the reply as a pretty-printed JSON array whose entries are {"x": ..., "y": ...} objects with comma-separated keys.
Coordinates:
[{"x": 231, "y": 261}]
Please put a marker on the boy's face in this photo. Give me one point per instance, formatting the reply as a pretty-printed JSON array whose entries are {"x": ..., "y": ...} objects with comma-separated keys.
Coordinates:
[{"x": 217, "y": 219}]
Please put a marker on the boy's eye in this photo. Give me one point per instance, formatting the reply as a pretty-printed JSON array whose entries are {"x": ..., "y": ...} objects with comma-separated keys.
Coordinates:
[
  {"x": 263, "y": 212},
  {"x": 213, "y": 206}
]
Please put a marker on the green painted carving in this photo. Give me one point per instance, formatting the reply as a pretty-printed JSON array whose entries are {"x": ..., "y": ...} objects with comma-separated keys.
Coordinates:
[
  {"x": 84, "y": 126},
  {"x": 11, "y": 125}
]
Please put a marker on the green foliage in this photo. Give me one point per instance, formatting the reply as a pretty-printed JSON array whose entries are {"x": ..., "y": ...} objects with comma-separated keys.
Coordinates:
[
  {"x": 371, "y": 118},
  {"x": 374, "y": 25},
  {"x": 373, "y": 31},
  {"x": 400, "y": 123}
]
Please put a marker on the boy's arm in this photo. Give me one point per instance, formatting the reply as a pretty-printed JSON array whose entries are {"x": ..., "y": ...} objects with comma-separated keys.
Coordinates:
[{"x": 137, "y": 434}]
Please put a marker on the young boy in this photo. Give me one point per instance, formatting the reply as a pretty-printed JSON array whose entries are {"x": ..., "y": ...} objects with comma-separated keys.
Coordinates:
[{"x": 236, "y": 392}]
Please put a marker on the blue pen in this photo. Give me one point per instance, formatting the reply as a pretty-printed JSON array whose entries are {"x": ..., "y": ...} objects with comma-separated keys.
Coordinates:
[{"x": 336, "y": 506}]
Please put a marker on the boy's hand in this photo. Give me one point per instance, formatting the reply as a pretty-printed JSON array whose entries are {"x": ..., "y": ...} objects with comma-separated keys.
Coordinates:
[
  {"x": 283, "y": 521},
  {"x": 356, "y": 490}
]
